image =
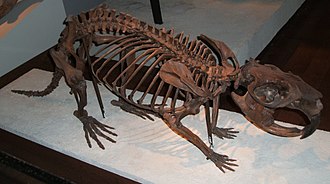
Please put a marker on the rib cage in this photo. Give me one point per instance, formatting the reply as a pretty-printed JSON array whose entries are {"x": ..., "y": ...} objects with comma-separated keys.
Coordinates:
[
  {"x": 148, "y": 58},
  {"x": 148, "y": 46}
]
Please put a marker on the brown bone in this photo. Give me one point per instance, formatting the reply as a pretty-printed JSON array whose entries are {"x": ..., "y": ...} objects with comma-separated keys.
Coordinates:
[{"x": 178, "y": 75}]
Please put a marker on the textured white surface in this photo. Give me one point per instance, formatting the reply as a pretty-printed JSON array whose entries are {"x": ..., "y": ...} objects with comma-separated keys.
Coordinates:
[
  {"x": 246, "y": 26},
  {"x": 149, "y": 152}
]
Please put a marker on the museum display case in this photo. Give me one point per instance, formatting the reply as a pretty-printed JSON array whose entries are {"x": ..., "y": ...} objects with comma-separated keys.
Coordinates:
[{"x": 147, "y": 151}]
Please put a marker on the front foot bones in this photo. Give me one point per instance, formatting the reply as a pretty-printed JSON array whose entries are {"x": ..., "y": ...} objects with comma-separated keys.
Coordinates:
[
  {"x": 94, "y": 128},
  {"x": 222, "y": 133},
  {"x": 131, "y": 109},
  {"x": 222, "y": 162}
]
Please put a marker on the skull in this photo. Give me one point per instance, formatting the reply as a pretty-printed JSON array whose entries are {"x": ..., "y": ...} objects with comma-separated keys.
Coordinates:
[{"x": 269, "y": 88}]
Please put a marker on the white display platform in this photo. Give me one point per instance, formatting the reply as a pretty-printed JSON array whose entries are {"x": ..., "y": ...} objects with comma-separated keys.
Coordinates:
[
  {"x": 247, "y": 26},
  {"x": 149, "y": 152}
]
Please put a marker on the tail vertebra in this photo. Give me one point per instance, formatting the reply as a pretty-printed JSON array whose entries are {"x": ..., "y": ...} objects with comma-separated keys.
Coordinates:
[{"x": 57, "y": 75}]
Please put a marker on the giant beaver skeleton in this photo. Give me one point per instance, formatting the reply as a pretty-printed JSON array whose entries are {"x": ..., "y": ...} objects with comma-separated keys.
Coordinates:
[{"x": 181, "y": 75}]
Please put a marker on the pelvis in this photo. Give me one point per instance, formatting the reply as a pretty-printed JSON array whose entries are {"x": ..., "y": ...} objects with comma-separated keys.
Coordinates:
[{"x": 269, "y": 88}]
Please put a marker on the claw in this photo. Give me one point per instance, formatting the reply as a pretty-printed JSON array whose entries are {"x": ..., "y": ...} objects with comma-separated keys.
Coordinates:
[
  {"x": 222, "y": 162},
  {"x": 128, "y": 108},
  {"x": 87, "y": 137},
  {"x": 222, "y": 133},
  {"x": 93, "y": 128}
]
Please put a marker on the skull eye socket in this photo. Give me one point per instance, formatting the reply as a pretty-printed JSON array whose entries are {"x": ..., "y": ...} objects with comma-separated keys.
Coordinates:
[
  {"x": 270, "y": 94},
  {"x": 266, "y": 94}
]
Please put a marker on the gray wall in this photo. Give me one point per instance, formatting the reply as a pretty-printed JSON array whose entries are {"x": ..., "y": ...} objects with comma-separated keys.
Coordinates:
[
  {"x": 34, "y": 32},
  {"x": 73, "y": 7}
]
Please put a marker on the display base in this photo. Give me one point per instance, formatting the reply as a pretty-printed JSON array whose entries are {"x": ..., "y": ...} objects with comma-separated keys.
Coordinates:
[{"x": 149, "y": 152}]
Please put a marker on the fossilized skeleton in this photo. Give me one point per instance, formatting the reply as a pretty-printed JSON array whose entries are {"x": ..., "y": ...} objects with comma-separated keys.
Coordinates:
[{"x": 180, "y": 75}]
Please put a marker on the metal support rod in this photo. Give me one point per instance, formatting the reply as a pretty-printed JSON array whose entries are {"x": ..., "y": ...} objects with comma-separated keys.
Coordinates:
[
  {"x": 156, "y": 12},
  {"x": 96, "y": 88}
]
